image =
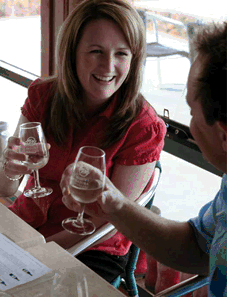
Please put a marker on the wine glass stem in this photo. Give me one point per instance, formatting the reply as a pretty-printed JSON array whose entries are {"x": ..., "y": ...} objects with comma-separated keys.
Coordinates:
[
  {"x": 80, "y": 216},
  {"x": 36, "y": 179}
]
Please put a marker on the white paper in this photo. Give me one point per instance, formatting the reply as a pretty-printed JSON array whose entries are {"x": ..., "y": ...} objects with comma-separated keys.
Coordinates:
[{"x": 17, "y": 266}]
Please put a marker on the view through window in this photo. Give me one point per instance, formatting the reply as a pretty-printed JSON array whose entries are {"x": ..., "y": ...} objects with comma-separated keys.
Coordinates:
[
  {"x": 20, "y": 24},
  {"x": 20, "y": 27},
  {"x": 164, "y": 84}
]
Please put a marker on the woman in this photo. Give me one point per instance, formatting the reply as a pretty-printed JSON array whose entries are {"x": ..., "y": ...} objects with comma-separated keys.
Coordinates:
[{"x": 94, "y": 100}]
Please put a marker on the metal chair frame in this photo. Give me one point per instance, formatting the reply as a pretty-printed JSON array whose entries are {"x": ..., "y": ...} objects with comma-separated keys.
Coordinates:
[
  {"x": 185, "y": 287},
  {"x": 158, "y": 50}
]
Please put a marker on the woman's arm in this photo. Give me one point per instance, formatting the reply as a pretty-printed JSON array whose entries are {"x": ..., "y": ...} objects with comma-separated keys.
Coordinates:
[{"x": 132, "y": 180}]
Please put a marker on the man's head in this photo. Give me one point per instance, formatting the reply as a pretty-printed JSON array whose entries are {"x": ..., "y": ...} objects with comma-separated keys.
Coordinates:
[{"x": 207, "y": 94}]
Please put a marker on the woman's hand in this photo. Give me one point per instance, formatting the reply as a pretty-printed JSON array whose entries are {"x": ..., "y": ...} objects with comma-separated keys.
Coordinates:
[
  {"x": 107, "y": 203},
  {"x": 12, "y": 156}
]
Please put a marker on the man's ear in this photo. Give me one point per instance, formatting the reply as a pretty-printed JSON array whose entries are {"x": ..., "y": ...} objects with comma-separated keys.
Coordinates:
[{"x": 223, "y": 134}]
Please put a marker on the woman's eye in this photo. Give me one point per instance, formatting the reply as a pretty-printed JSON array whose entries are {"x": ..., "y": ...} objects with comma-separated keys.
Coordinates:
[
  {"x": 96, "y": 51},
  {"x": 122, "y": 54}
]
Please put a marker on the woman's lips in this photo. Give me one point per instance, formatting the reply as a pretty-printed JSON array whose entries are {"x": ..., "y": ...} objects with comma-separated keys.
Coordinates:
[{"x": 105, "y": 79}]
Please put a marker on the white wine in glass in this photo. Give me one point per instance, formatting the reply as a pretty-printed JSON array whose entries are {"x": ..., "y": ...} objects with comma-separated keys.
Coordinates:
[
  {"x": 86, "y": 183},
  {"x": 34, "y": 146}
]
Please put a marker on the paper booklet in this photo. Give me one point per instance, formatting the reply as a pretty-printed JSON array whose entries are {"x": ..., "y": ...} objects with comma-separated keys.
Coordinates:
[{"x": 17, "y": 266}]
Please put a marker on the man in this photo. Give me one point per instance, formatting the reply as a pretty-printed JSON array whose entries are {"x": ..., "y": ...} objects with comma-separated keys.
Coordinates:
[{"x": 198, "y": 246}]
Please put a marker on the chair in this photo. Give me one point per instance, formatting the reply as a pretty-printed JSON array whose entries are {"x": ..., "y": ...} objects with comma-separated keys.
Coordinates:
[
  {"x": 185, "y": 287},
  {"x": 128, "y": 279},
  {"x": 158, "y": 50}
]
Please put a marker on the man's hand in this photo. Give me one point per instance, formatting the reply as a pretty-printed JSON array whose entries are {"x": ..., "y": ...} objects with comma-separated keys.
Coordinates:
[{"x": 110, "y": 200}]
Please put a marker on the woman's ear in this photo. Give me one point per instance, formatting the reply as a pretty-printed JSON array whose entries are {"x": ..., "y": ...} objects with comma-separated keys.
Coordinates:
[{"x": 223, "y": 135}]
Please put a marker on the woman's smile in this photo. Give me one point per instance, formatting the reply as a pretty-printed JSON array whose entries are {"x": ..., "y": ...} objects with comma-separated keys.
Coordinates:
[{"x": 104, "y": 79}]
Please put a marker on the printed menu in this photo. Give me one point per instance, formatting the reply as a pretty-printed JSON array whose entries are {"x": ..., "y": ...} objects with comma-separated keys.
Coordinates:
[{"x": 17, "y": 266}]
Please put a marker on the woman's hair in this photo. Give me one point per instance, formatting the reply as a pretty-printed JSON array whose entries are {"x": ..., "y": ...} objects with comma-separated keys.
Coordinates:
[
  {"x": 211, "y": 85},
  {"x": 66, "y": 109}
]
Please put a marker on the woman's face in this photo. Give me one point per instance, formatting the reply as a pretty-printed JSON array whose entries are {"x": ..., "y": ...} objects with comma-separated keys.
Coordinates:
[{"x": 103, "y": 59}]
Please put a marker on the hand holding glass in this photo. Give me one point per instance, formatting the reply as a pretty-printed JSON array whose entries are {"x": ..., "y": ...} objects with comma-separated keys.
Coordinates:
[
  {"x": 34, "y": 146},
  {"x": 85, "y": 186}
]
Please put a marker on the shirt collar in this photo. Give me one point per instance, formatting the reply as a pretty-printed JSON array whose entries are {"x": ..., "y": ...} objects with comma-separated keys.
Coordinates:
[{"x": 110, "y": 107}]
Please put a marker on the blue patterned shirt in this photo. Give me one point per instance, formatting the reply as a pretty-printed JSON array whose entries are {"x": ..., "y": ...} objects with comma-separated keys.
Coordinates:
[{"x": 211, "y": 232}]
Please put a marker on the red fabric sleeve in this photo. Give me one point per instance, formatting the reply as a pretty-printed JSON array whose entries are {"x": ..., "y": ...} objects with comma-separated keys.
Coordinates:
[
  {"x": 34, "y": 105},
  {"x": 144, "y": 140}
]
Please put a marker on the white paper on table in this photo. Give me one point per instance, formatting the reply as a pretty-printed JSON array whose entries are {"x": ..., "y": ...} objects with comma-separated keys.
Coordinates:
[{"x": 17, "y": 266}]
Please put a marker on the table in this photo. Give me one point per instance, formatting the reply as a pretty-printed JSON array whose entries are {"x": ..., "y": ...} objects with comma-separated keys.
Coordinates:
[
  {"x": 59, "y": 260},
  {"x": 50, "y": 254},
  {"x": 18, "y": 230}
]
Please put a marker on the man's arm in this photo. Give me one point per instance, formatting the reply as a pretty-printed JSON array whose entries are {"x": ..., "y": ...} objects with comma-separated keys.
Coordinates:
[{"x": 171, "y": 243}]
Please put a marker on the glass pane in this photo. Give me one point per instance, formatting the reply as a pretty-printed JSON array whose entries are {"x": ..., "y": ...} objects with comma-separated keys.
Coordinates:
[
  {"x": 165, "y": 77},
  {"x": 12, "y": 98},
  {"x": 183, "y": 188},
  {"x": 20, "y": 25}
]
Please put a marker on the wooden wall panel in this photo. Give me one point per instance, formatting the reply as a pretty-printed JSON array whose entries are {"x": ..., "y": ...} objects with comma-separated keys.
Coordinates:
[
  {"x": 53, "y": 14},
  {"x": 46, "y": 38}
]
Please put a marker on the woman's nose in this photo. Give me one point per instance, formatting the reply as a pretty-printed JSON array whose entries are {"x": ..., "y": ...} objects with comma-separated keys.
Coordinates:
[{"x": 109, "y": 63}]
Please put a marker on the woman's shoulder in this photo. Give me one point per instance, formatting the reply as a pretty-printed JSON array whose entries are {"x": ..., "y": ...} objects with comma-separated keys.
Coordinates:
[
  {"x": 39, "y": 93},
  {"x": 148, "y": 115},
  {"x": 40, "y": 85}
]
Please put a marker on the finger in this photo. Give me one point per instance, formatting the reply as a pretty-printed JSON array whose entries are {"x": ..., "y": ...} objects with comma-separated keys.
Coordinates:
[
  {"x": 65, "y": 177},
  {"x": 16, "y": 169},
  {"x": 13, "y": 141},
  {"x": 65, "y": 191},
  {"x": 13, "y": 155}
]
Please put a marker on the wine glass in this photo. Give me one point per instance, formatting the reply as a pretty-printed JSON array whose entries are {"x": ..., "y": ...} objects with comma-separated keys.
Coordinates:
[
  {"x": 70, "y": 283},
  {"x": 85, "y": 184},
  {"x": 34, "y": 146}
]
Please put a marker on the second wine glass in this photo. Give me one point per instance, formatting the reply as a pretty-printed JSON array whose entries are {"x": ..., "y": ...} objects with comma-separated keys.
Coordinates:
[
  {"x": 85, "y": 184},
  {"x": 34, "y": 146}
]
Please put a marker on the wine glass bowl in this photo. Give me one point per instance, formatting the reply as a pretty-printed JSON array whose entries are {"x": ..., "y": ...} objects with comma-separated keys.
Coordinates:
[
  {"x": 34, "y": 147},
  {"x": 86, "y": 183}
]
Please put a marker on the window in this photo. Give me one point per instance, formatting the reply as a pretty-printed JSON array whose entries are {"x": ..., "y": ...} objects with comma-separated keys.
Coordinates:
[
  {"x": 20, "y": 30},
  {"x": 165, "y": 78},
  {"x": 20, "y": 55}
]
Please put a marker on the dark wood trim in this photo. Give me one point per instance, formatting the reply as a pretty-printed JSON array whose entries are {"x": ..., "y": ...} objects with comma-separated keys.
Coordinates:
[
  {"x": 53, "y": 14},
  {"x": 66, "y": 9},
  {"x": 47, "y": 53}
]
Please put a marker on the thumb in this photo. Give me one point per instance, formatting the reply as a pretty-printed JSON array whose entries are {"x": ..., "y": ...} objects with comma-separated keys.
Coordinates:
[{"x": 110, "y": 201}]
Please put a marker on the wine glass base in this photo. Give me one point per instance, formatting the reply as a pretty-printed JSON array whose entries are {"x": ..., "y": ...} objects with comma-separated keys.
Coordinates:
[
  {"x": 73, "y": 226},
  {"x": 37, "y": 193}
]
